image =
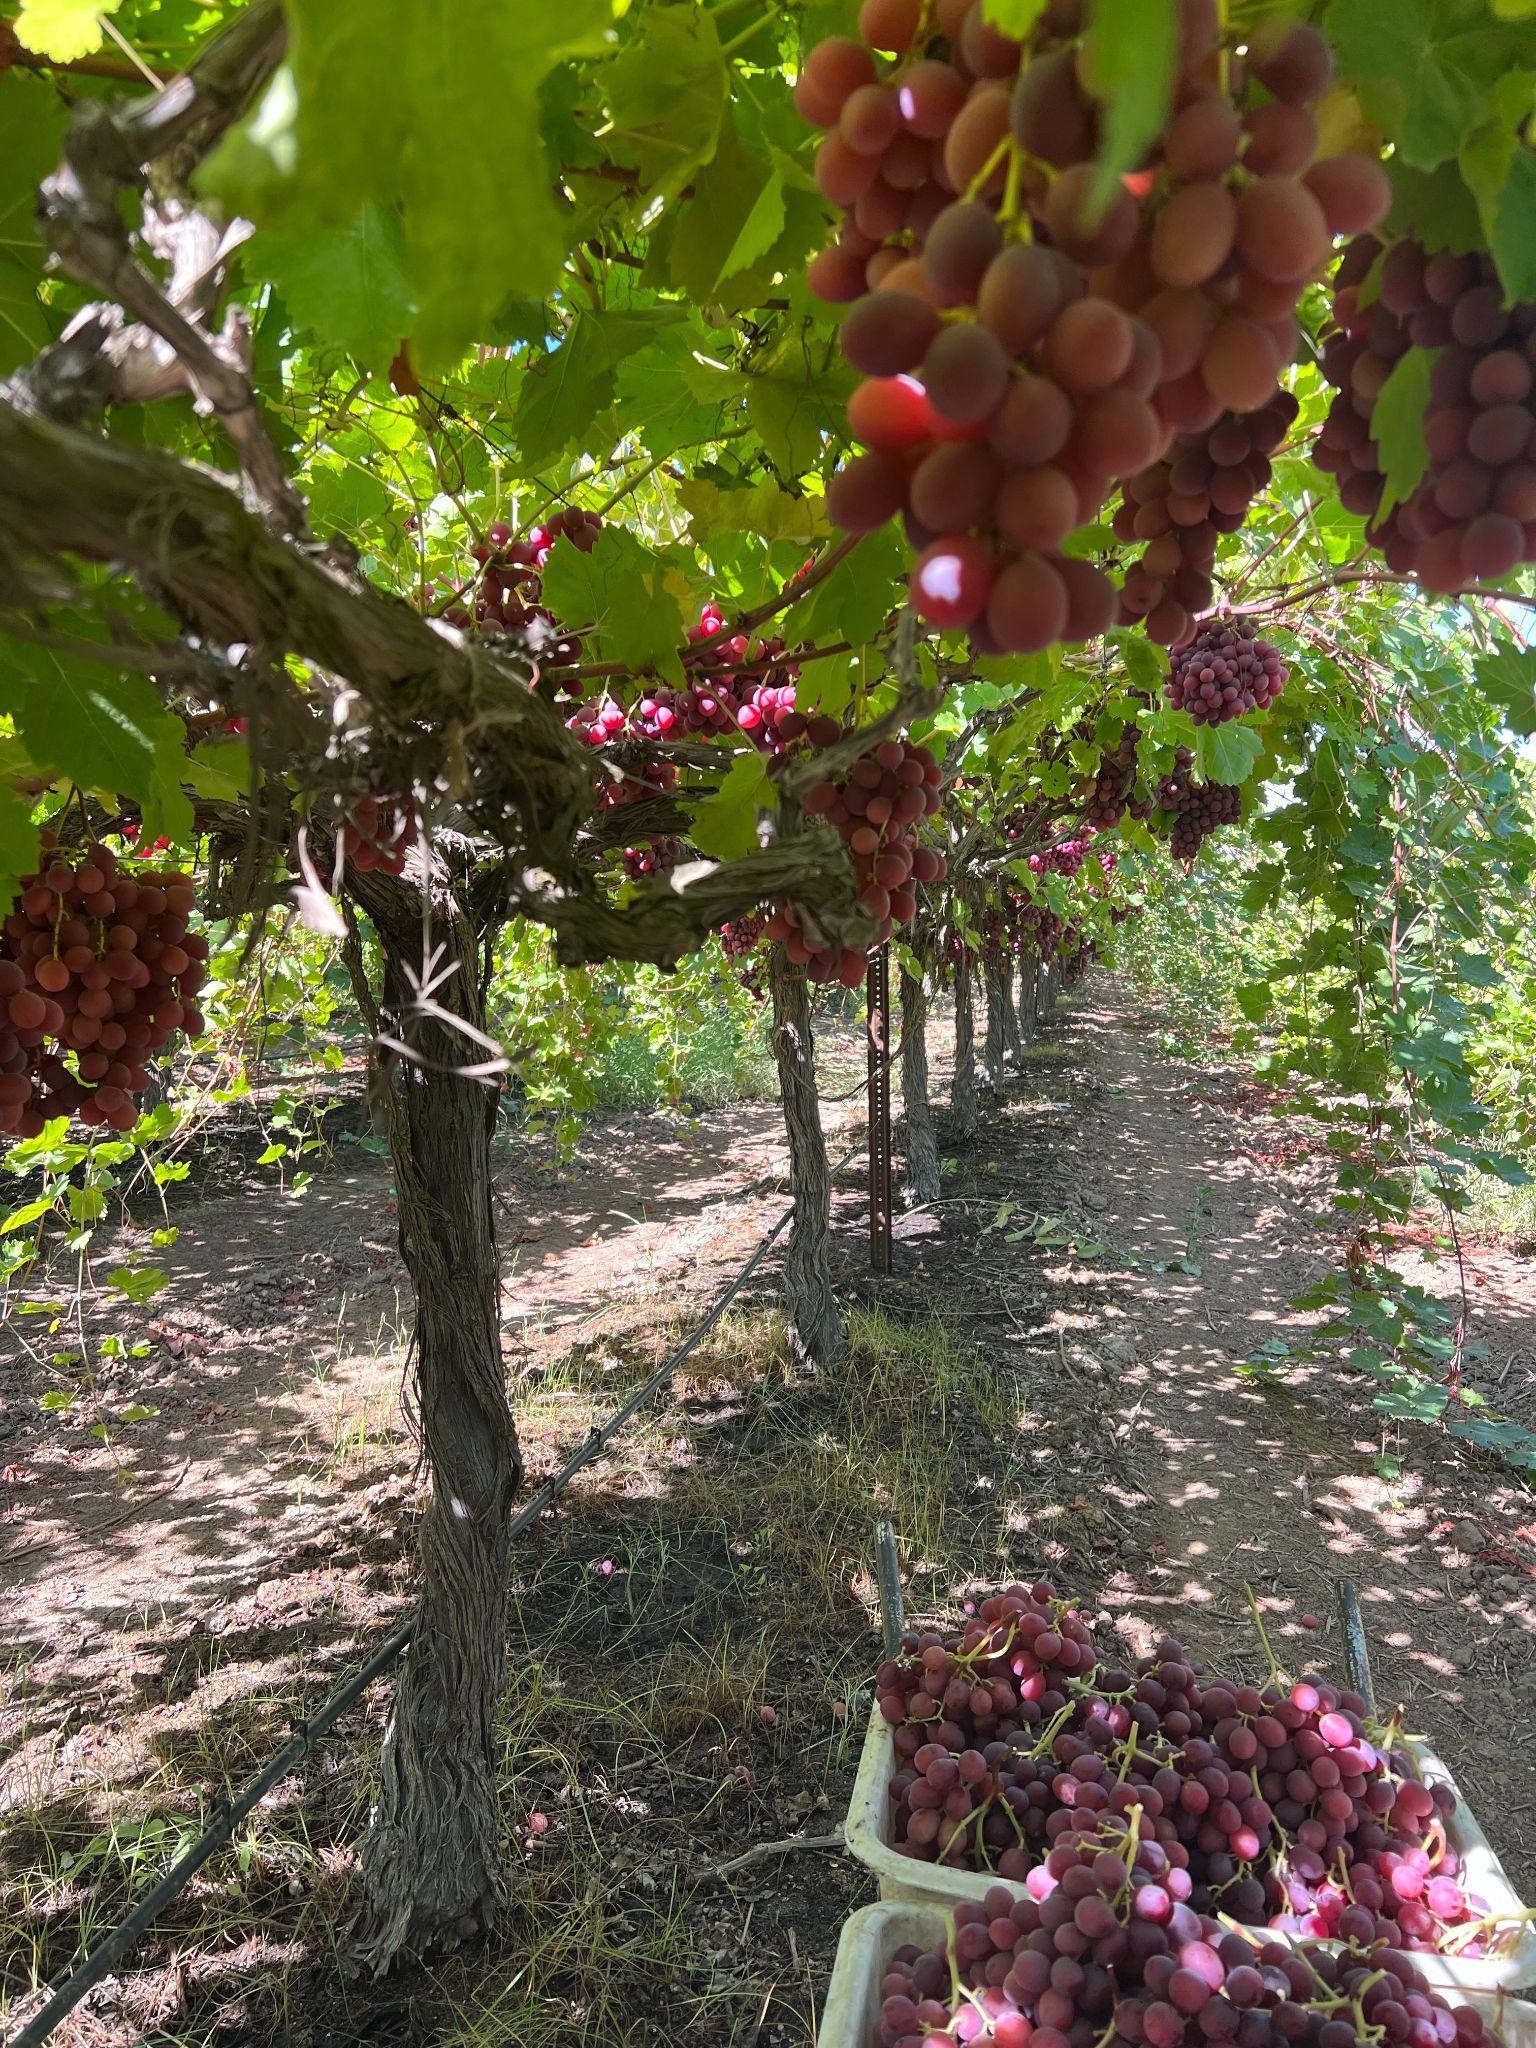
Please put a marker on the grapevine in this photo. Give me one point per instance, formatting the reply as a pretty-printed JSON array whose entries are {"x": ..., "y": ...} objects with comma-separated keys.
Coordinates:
[{"x": 1225, "y": 671}]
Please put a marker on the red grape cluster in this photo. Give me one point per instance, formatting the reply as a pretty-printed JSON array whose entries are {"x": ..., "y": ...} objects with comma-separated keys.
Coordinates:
[
  {"x": 1279, "y": 1808},
  {"x": 1109, "y": 1952},
  {"x": 1474, "y": 513},
  {"x": 97, "y": 969},
  {"x": 876, "y": 808},
  {"x": 1225, "y": 671},
  {"x": 1025, "y": 349},
  {"x": 376, "y": 835},
  {"x": 502, "y": 594},
  {"x": 1112, "y": 796},
  {"x": 1183, "y": 504},
  {"x": 659, "y": 857},
  {"x": 1198, "y": 808}
]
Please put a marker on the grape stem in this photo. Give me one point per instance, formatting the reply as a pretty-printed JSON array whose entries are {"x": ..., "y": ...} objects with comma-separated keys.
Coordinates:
[{"x": 1258, "y": 1622}]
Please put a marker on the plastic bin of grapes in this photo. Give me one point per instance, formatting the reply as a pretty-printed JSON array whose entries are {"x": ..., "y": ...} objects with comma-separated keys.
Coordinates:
[
  {"x": 901, "y": 1877},
  {"x": 872, "y": 1936}
]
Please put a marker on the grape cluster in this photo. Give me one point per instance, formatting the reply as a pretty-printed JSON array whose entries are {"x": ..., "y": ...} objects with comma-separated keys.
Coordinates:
[
  {"x": 1024, "y": 349},
  {"x": 1198, "y": 808},
  {"x": 503, "y": 593},
  {"x": 1108, "y": 1952},
  {"x": 376, "y": 835},
  {"x": 1225, "y": 671},
  {"x": 1183, "y": 504},
  {"x": 1279, "y": 1808},
  {"x": 876, "y": 809},
  {"x": 97, "y": 969},
  {"x": 1112, "y": 796},
  {"x": 1474, "y": 513}
]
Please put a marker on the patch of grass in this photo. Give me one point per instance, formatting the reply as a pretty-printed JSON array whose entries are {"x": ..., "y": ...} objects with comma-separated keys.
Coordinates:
[
  {"x": 688, "y": 1642},
  {"x": 1498, "y": 1210}
]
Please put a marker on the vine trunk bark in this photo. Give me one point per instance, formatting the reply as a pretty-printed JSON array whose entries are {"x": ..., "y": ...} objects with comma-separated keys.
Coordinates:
[
  {"x": 1029, "y": 1009},
  {"x": 992, "y": 1043},
  {"x": 431, "y": 1859},
  {"x": 816, "y": 1335},
  {"x": 921, "y": 1180},
  {"x": 1013, "y": 1037},
  {"x": 964, "y": 1107}
]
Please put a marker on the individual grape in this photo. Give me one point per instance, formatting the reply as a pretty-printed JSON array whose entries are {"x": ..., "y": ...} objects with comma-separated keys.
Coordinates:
[
  {"x": 958, "y": 248},
  {"x": 1281, "y": 139},
  {"x": 833, "y": 70},
  {"x": 972, "y": 164},
  {"x": 955, "y": 486},
  {"x": 1203, "y": 138},
  {"x": 1292, "y": 59},
  {"x": 1241, "y": 365},
  {"x": 1282, "y": 232},
  {"x": 1088, "y": 347},
  {"x": 867, "y": 491},
  {"x": 1028, "y": 607},
  {"x": 886, "y": 333},
  {"x": 931, "y": 95},
  {"x": 1194, "y": 234},
  {"x": 1037, "y": 508},
  {"x": 965, "y": 374},
  {"x": 1050, "y": 117},
  {"x": 890, "y": 414},
  {"x": 1032, "y": 424},
  {"x": 952, "y": 580},
  {"x": 1020, "y": 295},
  {"x": 1353, "y": 191},
  {"x": 1492, "y": 545},
  {"x": 890, "y": 24}
]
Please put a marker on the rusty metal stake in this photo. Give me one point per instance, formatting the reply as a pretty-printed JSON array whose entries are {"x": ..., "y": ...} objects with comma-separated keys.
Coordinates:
[{"x": 878, "y": 996}]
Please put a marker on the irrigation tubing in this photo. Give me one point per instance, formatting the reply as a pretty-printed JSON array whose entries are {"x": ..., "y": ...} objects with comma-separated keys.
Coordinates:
[{"x": 100, "y": 1961}]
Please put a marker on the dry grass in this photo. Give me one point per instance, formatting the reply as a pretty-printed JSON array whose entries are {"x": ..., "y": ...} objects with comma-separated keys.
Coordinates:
[{"x": 717, "y": 1564}]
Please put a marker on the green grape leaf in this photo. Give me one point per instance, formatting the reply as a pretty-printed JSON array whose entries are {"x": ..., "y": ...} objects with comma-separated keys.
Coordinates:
[
  {"x": 1397, "y": 426},
  {"x": 854, "y": 602},
  {"x": 1423, "y": 67},
  {"x": 350, "y": 285},
  {"x": 18, "y": 843},
  {"x": 1500, "y": 171},
  {"x": 761, "y": 509},
  {"x": 33, "y": 118},
  {"x": 1014, "y": 17},
  {"x": 105, "y": 730},
  {"x": 564, "y": 392},
  {"x": 725, "y": 824},
  {"x": 734, "y": 217},
  {"x": 62, "y": 29},
  {"x": 345, "y": 498},
  {"x": 1513, "y": 10},
  {"x": 656, "y": 395},
  {"x": 1131, "y": 51},
  {"x": 793, "y": 402},
  {"x": 622, "y": 591},
  {"x": 667, "y": 96},
  {"x": 1508, "y": 678},
  {"x": 377, "y": 104},
  {"x": 1227, "y": 752},
  {"x": 139, "y": 1283},
  {"x": 1434, "y": 207}
]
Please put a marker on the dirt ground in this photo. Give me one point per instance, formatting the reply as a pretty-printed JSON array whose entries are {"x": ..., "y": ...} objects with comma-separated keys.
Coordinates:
[{"x": 693, "y": 1631}]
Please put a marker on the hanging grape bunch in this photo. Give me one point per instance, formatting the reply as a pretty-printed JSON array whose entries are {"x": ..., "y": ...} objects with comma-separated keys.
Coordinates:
[
  {"x": 502, "y": 594},
  {"x": 1198, "y": 808},
  {"x": 1112, "y": 796},
  {"x": 876, "y": 808},
  {"x": 97, "y": 969},
  {"x": 376, "y": 835},
  {"x": 1473, "y": 515},
  {"x": 1023, "y": 351},
  {"x": 1225, "y": 671},
  {"x": 1182, "y": 505}
]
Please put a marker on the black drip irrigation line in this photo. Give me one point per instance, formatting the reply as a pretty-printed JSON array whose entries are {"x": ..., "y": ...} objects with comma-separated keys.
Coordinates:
[{"x": 101, "y": 1960}]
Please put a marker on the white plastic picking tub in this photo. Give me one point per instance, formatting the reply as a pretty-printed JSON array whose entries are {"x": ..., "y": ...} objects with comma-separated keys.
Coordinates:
[
  {"x": 872, "y": 1936},
  {"x": 904, "y": 1878}
]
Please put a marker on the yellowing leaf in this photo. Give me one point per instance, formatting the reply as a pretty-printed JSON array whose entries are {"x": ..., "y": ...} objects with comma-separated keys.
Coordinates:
[{"x": 62, "y": 29}]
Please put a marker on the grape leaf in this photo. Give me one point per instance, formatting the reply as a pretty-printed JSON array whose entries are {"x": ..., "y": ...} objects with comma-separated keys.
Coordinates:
[
  {"x": 655, "y": 392},
  {"x": 1397, "y": 426},
  {"x": 1425, "y": 67},
  {"x": 564, "y": 391},
  {"x": 1014, "y": 17},
  {"x": 378, "y": 104},
  {"x": 62, "y": 29},
  {"x": 761, "y": 509},
  {"x": 350, "y": 284},
  {"x": 1132, "y": 45},
  {"x": 1226, "y": 752},
  {"x": 105, "y": 730},
  {"x": 717, "y": 219},
  {"x": 855, "y": 601},
  {"x": 1434, "y": 207},
  {"x": 667, "y": 95},
  {"x": 344, "y": 498},
  {"x": 620, "y": 590},
  {"x": 32, "y": 119},
  {"x": 1501, "y": 173},
  {"x": 18, "y": 843},
  {"x": 725, "y": 824},
  {"x": 792, "y": 402},
  {"x": 1508, "y": 678}
]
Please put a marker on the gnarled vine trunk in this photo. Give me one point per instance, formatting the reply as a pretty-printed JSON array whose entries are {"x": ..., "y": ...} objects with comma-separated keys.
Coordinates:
[
  {"x": 992, "y": 1043},
  {"x": 432, "y": 1855},
  {"x": 1029, "y": 1009},
  {"x": 816, "y": 1336},
  {"x": 920, "y": 1182},
  {"x": 964, "y": 1107}
]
